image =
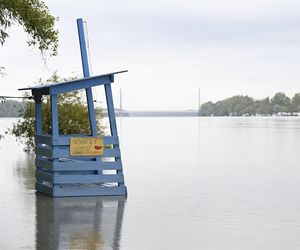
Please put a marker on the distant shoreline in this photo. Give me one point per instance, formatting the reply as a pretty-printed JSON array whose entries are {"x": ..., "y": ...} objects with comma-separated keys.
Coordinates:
[
  {"x": 188, "y": 113},
  {"x": 156, "y": 113}
]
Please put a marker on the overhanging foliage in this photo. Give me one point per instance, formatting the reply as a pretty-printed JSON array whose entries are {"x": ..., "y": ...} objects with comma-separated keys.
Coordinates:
[{"x": 36, "y": 20}]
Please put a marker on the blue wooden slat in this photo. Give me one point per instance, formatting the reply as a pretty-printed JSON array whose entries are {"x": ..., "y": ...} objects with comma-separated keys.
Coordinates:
[
  {"x": 44, "y": 175},
  {"x": 71, "y": 82},
  {"x": 73, "y": 85},
  {"x": 45, "y": 151},
  {"x": 44, "y": 163},
  {"x": 64, "y": 152},
  {"x": 72, "y": 165},
  {"x": 44, "y": 189},
  {"x": 70, "y": 191},
  {"x": 85, "y": 159},
  {"x": 82, "y": 84},
  {"x": 43, "y": 139},
  {"x": 111, "y": 140},
  {"x": 79, "y": 165},
  {"x": 65, "y": 139},
  {"x": 65, "y": 179}
]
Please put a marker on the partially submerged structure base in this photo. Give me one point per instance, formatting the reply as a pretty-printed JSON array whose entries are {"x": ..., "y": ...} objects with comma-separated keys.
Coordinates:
[{"x": 70, "y": 190}]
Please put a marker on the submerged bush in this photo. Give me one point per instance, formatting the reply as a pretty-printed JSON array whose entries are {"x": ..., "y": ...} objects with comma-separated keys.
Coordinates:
[{"x": 73, "y": 117}]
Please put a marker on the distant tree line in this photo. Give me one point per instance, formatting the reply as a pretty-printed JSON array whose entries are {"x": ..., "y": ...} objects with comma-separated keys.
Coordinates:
[
  {"x": 244, "y": 105},
  {"x": 11, "y": 108}
]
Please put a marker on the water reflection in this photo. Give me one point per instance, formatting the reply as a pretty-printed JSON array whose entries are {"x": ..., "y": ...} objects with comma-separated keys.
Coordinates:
[
  {"x": 79, "y": 223},
  {"x": 68, "y": 223},
  {"x": 24, "y": 169}
]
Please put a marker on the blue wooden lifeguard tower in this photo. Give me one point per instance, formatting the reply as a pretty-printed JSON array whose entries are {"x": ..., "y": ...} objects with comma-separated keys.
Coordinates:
[{"x": 78, "y": 165}]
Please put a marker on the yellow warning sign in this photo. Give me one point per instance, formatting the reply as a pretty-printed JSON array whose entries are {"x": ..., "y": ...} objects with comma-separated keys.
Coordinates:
[{"x": 85, "y": 146}]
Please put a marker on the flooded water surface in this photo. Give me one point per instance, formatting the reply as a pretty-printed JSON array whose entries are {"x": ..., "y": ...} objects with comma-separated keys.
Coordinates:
[{"x": 193, "y": 183}]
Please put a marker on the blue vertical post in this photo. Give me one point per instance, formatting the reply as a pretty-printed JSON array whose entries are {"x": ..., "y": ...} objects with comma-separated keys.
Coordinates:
[
  {"x": 111, "y": 110},
  {"x": 54, "y": 116},
  {"x": 86, "y": 73},
  {"x": 38, "y": 123},
  {"x": 38, "y": 115},
  {"x": 112, "y": 120},
  {"x": 54, "y": 122}
]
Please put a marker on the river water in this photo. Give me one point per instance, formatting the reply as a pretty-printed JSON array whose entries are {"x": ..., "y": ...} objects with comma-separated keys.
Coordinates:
[{"x": 193, "y": 183}]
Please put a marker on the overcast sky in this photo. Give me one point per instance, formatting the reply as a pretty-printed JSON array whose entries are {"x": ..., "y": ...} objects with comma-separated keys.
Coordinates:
[{"x": 171, "y": 48}]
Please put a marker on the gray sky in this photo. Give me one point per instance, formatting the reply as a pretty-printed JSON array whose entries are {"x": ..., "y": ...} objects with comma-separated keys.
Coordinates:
[{"x": 171, "y": 48}]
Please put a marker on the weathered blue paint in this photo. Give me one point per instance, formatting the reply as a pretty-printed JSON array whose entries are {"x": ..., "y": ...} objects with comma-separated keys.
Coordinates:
[
  {"x": 111, "y": 110},
  {"x": 64, "y": 151},
  {"x": 92, "y": 118},
  {"x": 83, "y": 50},
  {"x": 86, "y": 73},
  {"x": 38, "y": 116},
  {"x": 74, "y": 165},
  {"x": 54, "y": 116},
  {"x": 65, "y": 139},
  {"x": 57, "y": 173},
  {"x": 68, "y": 86},
  {"x": 112, "y": 121},
  {"x": 92, "y": 178},
  {"x": 75, "y": 190}
]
